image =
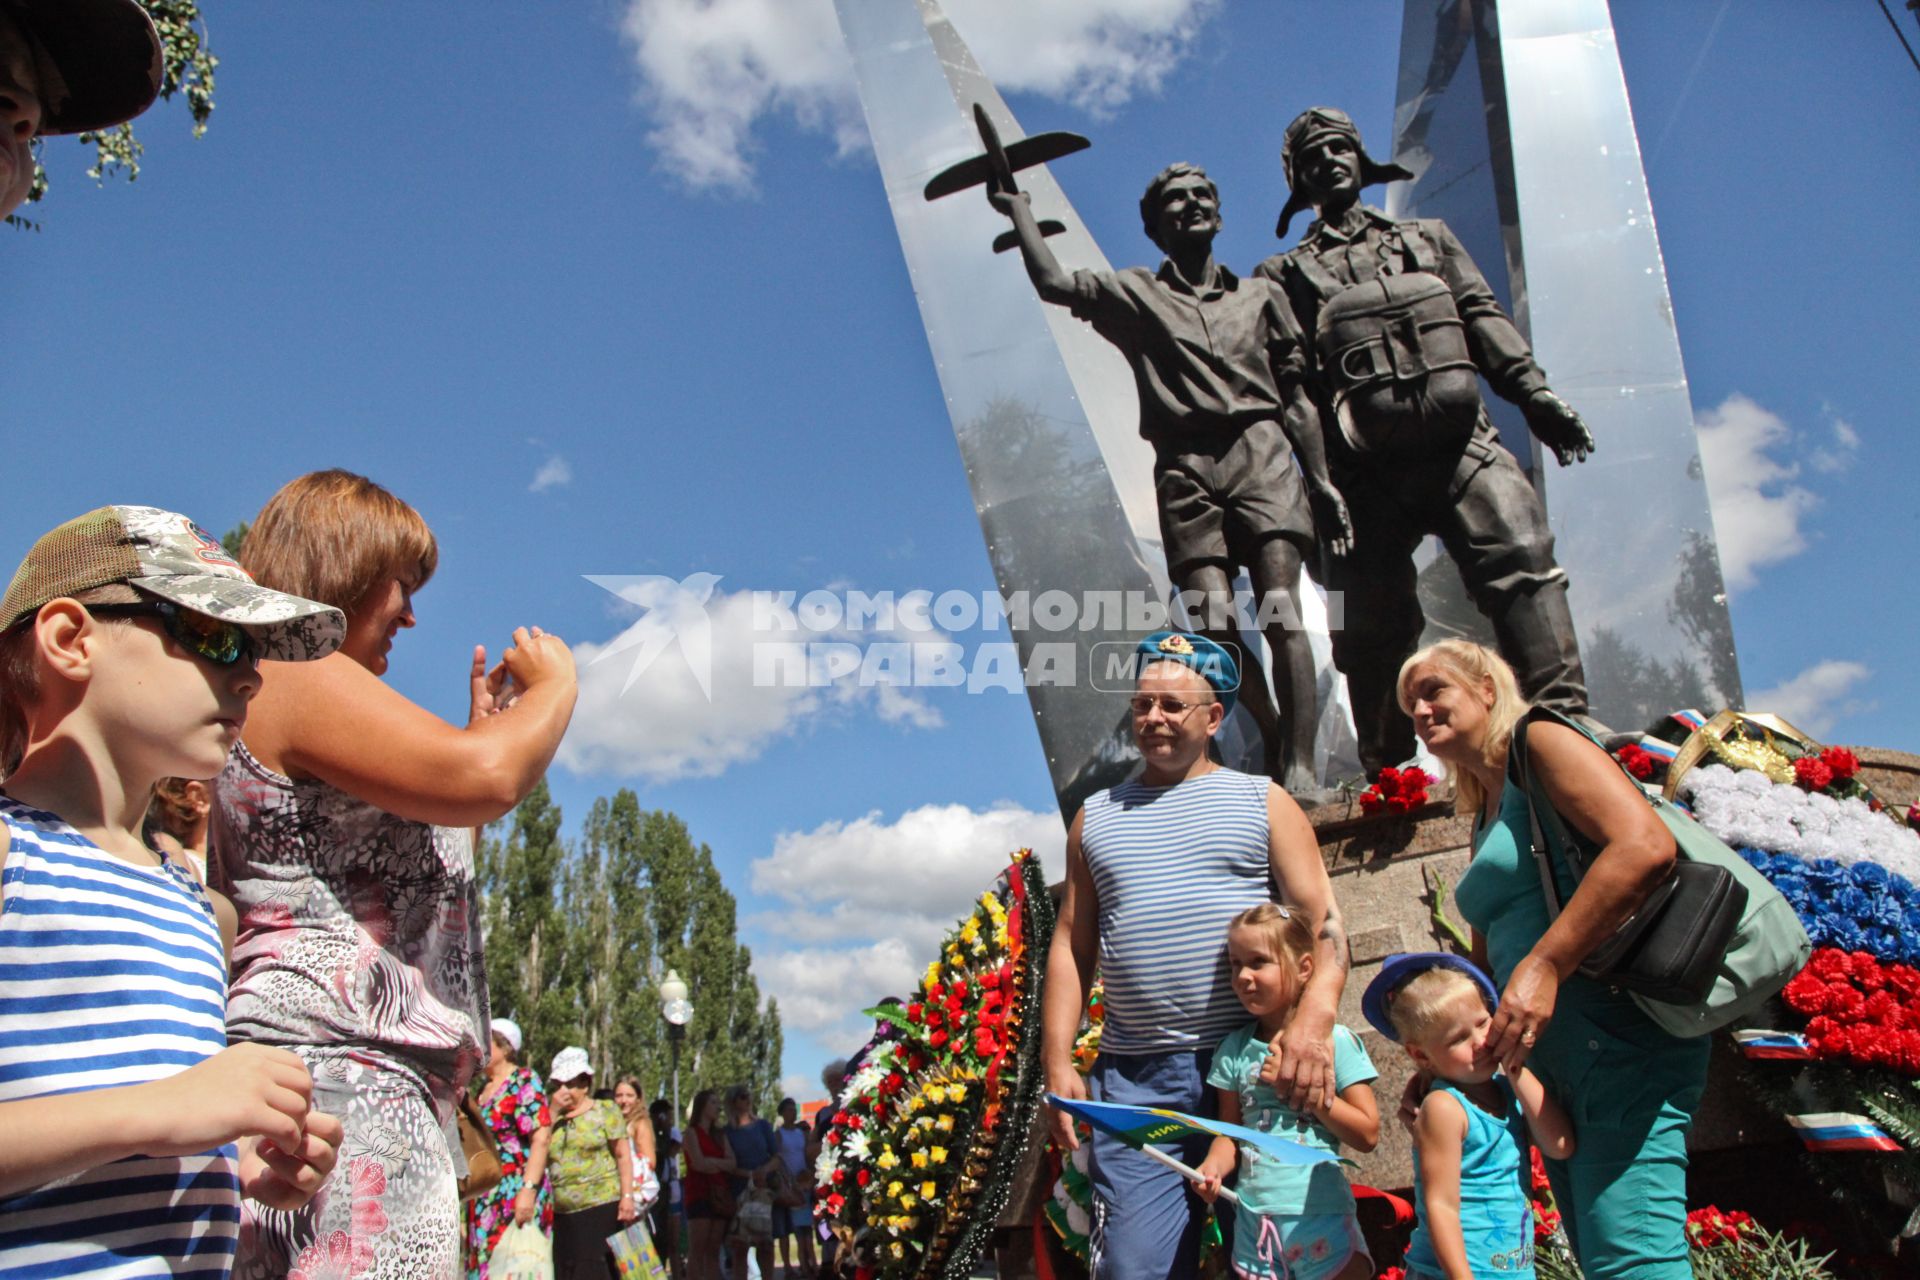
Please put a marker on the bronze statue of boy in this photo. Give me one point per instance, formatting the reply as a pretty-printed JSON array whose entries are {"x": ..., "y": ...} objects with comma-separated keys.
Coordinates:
[
  {"x": 1401, "y": 326},
  {"x": 1220, "y": 366}
]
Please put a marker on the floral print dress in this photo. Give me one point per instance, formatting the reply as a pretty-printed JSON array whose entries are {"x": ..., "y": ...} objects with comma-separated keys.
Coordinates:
[{"x": 514, "y": 1112}]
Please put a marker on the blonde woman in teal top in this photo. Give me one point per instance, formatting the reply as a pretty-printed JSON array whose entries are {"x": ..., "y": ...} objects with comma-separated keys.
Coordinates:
[{"x": 1629, "y": 1087}]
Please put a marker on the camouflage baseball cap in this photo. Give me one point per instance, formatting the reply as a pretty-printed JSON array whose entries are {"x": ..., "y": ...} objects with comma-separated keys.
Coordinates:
[{"x": 117, "y": 554}]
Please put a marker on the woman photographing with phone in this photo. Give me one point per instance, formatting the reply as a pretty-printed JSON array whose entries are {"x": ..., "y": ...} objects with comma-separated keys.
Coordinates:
[{"x": 343, "y": 832}]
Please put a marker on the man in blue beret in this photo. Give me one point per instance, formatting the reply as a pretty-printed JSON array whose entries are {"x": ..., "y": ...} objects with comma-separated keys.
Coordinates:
[{"x": 1156, "y": 867}]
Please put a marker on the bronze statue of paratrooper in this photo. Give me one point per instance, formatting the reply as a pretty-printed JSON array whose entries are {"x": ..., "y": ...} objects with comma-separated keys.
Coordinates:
[{"x": 1401, "y": 326}]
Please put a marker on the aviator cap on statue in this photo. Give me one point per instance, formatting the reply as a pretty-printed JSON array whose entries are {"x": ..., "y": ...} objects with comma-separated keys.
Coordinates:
[
  {"x": 1315, "y": 125},
  {"x": 1215, "y": 665}
]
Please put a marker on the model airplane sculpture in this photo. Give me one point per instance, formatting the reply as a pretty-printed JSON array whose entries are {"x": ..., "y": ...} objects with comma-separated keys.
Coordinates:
[{"x": 996, "y": 166}]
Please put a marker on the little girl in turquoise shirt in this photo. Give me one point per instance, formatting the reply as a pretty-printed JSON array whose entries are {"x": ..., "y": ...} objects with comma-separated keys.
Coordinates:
[{"x": 1294, "y": 1222}]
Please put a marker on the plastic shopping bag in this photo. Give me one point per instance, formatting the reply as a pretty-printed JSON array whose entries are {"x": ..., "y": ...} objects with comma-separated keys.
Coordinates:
[
  {"x": 524, "y": 1253},
  {"x": 634, "y": 1254}
]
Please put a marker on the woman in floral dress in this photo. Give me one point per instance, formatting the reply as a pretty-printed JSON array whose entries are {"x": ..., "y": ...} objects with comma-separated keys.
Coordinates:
[
  {"x": 515, "y": 1106},
  {"x": 343, "y": 834}
]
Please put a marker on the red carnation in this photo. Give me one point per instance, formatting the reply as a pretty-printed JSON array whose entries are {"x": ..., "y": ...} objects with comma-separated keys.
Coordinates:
[
  {"x": 1387, "y": 779},
  {"x": 1829, "y": 963},
  {"x": 959, "y": 990},
  {"x": 1913, "y": 816},
  {"x": 916, "y": 1012},
  {"x": 937, "y": 1039},
  {"x": 1811, "y": 774},
  {"x": 863, "y": 1177},
  {"x": 855, "y": 1122},
  {"x": 1371, "y": 801},
  {"x": 1638, "y": 761},
  {"x": 1805, "y": 994},
  {"x": 1401, "y": 804},
  {"x": 1841, "y": 761},
  {"x": 1867, "y": 971}
]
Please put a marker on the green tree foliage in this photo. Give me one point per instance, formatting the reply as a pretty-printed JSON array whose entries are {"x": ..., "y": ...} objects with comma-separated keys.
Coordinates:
[
  {"x": 187, "y": 69},
  {"x": 579, "y": 936},
  {"x": 234, "y": 539}
]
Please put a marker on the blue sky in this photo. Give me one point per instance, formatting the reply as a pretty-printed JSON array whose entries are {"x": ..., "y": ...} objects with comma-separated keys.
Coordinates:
[{"x": 615, "y": 291}]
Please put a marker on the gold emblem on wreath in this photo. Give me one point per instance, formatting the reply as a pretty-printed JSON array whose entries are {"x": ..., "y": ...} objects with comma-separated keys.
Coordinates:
[{"x": 1177, "y": 644}]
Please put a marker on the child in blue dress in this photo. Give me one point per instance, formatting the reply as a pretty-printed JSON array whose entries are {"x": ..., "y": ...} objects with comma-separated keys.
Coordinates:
[
  {"x": 1470, "y": 1136},
  {"x": 1294, "y": 1222}
]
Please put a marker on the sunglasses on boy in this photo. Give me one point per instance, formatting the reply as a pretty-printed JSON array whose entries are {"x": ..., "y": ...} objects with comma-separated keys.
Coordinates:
[{"x": 219, "y": 642}]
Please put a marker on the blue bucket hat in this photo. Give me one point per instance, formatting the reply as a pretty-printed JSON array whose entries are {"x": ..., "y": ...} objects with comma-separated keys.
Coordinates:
[
  {"x": 1215, "y": 665},
  {"x": 1399, "y": 968}
]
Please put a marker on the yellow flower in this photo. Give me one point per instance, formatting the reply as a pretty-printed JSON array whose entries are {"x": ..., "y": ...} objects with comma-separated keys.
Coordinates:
[
  {"x": 936, "y": 1093},
  {"x": 907, "y": 1201},
  {"x": 940, "y": 1154},
  {"x": 933, "y": 973},
  {"x": 919, "y": 1159},
  {"x": 894, "y": 1188},
  {"x": 944, "y": 1124},
  {"x": 926, "y": 1122},
  {"x": 927, "y": 1190},
  {"x": 887, "y": 1159},
  {"x": 898, "y": 1250},
  {"x": 957, "y": 1092}
]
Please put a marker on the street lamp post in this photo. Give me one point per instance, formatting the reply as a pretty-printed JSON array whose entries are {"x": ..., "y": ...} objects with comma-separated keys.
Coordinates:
[{"x": 678, "y": 1012}]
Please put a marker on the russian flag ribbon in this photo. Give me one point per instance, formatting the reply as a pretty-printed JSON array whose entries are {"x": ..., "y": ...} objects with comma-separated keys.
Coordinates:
[
  {"x": 1688, "y": 719},
  {"x": 1658, "y": 748},
  {"x": 1788, "y": 1045},
  {"x": 1841, "y": 1131}
]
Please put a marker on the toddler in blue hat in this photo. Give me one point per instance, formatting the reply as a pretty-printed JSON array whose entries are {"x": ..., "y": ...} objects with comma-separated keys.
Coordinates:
[{"x": 1471, "y": 1132}]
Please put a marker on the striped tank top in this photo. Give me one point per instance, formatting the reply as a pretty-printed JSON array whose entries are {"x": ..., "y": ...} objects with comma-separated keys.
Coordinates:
[
  {"x": 110, "y": 974},
  {"x": 1171, "y": 865}
]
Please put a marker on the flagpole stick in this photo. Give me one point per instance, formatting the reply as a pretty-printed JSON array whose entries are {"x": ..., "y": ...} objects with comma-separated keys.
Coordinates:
[{"x": 1225, "y": 1193}]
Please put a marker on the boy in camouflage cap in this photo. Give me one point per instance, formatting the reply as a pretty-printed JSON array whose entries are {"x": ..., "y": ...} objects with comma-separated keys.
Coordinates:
[{"x": 129, "y": 650}]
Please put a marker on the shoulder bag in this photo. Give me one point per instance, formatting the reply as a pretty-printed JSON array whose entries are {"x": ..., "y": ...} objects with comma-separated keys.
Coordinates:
[
  {"x": 481, "y": 1150},
  {"x": 1709, "y": 945}
]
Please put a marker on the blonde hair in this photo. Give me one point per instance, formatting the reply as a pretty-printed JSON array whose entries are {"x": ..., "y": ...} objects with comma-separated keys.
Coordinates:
[
  {"x": 1417, "y": 1006},
  {"x": 1474, "y": 665},
  {"x": 336, "y": 537},
  {"x": 1284, "y": 930}
]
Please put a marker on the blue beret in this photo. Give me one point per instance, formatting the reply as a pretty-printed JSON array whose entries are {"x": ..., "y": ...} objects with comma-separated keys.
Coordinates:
[{"x": 1213, "y": 662}]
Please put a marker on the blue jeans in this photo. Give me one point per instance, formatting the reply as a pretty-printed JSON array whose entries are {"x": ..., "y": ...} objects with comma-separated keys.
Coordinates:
[{"x": 1146, "y": 1219}]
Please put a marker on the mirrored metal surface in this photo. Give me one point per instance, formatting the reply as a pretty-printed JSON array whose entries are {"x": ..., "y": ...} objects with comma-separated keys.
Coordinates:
[
  {"x": 1041, "y": 475},
  {"x": 1515, "y": 120}
]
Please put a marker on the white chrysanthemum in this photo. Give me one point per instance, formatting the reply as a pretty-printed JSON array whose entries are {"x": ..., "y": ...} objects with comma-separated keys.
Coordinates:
[
  {"x": 857, "y": 1145},
  {"x": 1746, "y": 809}
]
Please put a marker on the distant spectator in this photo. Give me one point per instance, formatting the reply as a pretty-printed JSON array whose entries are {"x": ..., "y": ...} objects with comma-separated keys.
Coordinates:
[
  {"x": 709, "y": 1197},
  {"x": 177, "y": 824},
  {"x": 756, "y": 1159},
  {"x": 592, "y": 1171},
  {"x": 640, "y": 1140},
  {"x": 793, "y": 1202},
  {"x": 833, "y": 1077},
  {"x": 669, "y": 1214},
  {"x": 516, "y": 1108}
]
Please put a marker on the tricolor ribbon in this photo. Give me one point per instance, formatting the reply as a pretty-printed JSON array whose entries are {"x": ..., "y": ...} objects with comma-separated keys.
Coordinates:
[
  {"x": 1658, "y": 748},
  {"x": 1774, "y": 1044},
  {"x": 1841, "y": 1131},
  {"x": 1688, "y": 719}
]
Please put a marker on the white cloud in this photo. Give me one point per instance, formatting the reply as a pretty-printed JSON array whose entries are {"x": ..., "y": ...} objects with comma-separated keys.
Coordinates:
[
  {"x": 1757, "y": 507},
  {"x": 553, "y": 473},
  {"x": 822, "y": 989},
  {"x": 1843, "y": 448},
  {"x": 653, "y": 719},
  {"x": 886, "y": 892},
  {"x": 1815, "y": 699},
  {"x": 711, "y": 69}
]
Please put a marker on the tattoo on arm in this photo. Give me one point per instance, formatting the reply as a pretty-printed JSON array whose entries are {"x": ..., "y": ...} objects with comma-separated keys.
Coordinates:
[{"x": 1335, "y": 934}]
